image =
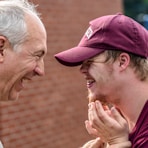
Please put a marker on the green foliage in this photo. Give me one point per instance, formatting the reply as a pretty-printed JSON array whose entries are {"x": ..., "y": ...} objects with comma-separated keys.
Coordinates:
[{"x": 133, "y": 8}]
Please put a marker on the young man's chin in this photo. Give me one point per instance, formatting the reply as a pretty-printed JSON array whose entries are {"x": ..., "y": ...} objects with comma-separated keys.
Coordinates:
[{"x": 91, "y": 97}]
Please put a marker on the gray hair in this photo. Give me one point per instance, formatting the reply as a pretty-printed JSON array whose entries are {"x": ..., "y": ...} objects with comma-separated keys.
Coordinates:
[{"x": 12, "y": 20}]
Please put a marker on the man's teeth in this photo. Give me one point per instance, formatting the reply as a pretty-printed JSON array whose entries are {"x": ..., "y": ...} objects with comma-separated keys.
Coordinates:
[{"x": 90, "y": 81}]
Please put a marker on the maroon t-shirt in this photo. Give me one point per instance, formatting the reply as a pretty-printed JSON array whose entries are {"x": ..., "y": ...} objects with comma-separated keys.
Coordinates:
[{"x": 139, "y": 135}]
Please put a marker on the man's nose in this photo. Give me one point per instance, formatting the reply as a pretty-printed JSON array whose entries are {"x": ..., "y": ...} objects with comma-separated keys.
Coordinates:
[
  {"x": 39, "y": 70},
  {"x": 83, "y": 69}
]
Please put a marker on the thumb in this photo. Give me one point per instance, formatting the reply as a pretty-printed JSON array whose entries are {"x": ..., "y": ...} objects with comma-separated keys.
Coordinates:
[{"x": 95, "y": 143}]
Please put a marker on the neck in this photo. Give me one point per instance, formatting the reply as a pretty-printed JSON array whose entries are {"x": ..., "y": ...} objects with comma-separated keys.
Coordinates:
[
  {"x": 131, "y": 113},
  {"x": 132, "y": 102}
]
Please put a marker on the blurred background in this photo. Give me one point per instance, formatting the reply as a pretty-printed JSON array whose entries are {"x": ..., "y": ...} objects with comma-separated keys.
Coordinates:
[
  {"x": 51, "y": 111},
  {"x": 138, "y": 10}
]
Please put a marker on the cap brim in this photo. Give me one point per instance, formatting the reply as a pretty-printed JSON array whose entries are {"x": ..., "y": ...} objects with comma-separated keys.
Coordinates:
[{"x": 75, "y": 56}]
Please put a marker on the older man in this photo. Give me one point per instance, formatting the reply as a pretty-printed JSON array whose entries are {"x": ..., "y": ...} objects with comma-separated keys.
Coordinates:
[{"x": 22, "y": 47}]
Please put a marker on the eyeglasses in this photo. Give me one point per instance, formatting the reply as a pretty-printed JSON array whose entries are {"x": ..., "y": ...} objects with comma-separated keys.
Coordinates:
[{"x": 89, "y": 62}]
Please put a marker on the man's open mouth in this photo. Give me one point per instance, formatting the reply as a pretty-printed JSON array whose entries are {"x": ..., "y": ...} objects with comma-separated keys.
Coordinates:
[{"x": 90, "y": 83}]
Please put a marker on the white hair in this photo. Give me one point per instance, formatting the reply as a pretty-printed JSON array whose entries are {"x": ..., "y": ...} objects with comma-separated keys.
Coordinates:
[{"x": 12, "y": 19}]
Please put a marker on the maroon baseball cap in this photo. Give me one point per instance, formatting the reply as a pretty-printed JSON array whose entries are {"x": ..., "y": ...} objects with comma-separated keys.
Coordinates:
[{"x": 110, "y": 32}]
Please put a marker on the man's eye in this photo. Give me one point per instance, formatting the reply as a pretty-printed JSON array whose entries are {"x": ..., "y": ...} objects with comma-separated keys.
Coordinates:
[{"x": 38, "y": 57}]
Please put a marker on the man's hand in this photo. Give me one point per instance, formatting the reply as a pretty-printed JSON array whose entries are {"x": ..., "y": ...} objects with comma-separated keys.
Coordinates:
[
  {"x": 96, "y": 143},
  {"x": 109, "y": 125}
]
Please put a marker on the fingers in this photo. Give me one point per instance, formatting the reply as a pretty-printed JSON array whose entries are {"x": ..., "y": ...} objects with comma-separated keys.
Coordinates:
[
  {"x": 98, "y": 119},
  {"x": 103, "y": 115},
  {"x": 90, "y": 129},
  {"x": 97, "y": 114},
  {"x": 96, "y": 110},
  {"x": 117, "y": 116},
  {"x": 108, "y": 124}
]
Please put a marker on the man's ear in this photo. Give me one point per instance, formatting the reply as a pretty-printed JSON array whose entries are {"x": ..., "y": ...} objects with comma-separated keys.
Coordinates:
[
  {"x": 3, "y": 41},
  {"x": 124, "y": 60}
]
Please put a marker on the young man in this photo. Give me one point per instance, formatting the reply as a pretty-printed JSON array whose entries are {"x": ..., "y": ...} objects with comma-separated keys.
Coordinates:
[{"x": 113, "y": 57}]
